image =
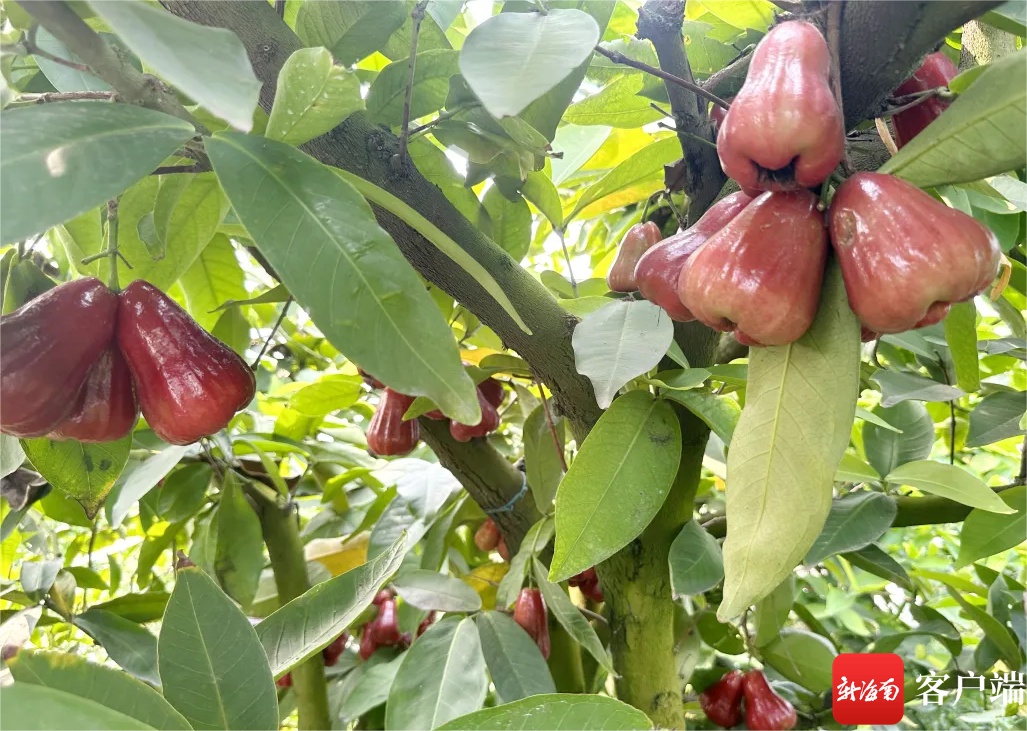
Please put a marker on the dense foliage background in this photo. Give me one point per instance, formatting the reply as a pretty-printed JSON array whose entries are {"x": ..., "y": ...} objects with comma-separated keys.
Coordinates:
[{"x": 545, "y": 162}]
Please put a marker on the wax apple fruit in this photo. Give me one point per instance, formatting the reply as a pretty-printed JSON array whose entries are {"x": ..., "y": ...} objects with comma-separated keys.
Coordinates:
[
  {"x": 189, "y": 384},
  {"x": 493, "y": 391},
  {"x": 588, "y": 584},
  {"x": 640, "y": 238},
  {"x": 488, "y": 424},
  {"x": 487, "y": 536},
  {"x": 905, "y": 257},
  {"x": 388, "y": 435},
  {"x": 47, "y": 348},
  {"x": 658, "y": 270},
  {"x": 722, "y": 701},
  {"x": 784, "y": 129},
  {"x": 386, "y": 627},
  {"x": 760, "y": 275},
  {"x": 334, "y": 650},
  {"x": 530, "y": 612},
  {"x": 106, "y": 410},
  {"x": 765, "y": 709},
  {"x": 937, "y": 70}
]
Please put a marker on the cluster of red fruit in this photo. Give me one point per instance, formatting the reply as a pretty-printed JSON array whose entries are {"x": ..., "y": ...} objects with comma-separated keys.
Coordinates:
[
  {"x": 79, "y": 361},
  {"x": 765, "y": 710},
  {"x": 489, "y": 538},
  {"x": 753, "y": 264},
  {"x": 388, "y": 435}
]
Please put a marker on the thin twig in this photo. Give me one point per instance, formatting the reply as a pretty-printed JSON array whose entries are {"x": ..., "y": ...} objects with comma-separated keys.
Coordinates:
[
  {"x": 915, "y": 100},
  {"x": 618, "y": 57},
  {"x": 33, "y": 48},
  {"x": 112, "y": 244},
  {"x": 270, "y": 337},
  {"x": 417, "y": 16},
  {"x": 594, "y": 615},
  {"x": 567, "y": 258},
  {"x": 66, "y": 96},
  {"x": 551, "y": 425}
]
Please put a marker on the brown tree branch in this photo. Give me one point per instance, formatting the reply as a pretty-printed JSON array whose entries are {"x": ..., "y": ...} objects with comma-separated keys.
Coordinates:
[
  {"x": 660, "y": 21},
  {"x": 618, "y": 57}
]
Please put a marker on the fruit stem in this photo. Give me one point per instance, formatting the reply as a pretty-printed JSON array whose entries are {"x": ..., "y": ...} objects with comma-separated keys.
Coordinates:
[
  {"x": 112, "y": 244},
  {"x": 281, "y": 534}
]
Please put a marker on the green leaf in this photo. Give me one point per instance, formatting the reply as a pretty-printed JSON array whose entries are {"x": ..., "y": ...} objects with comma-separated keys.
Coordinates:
[
  {"x": 570, "y": 618},
  {"x": 535, "y": 539},
  {"x": 617, "y": 483},
  {"x": 438, "y": 238},
  {"x": 24, "y": 282},
  {"x": 772, "y": 612},
  {"x": 146, "y": 607},
  {"x": 718, "y": 412},
  {"x": 368, "y": 686},
  {"x": 874, "y": 560},
  {"x": 961, "y": 336},
  {"x": 897, "y": 387},
  {"x": 431, "y": 590},
  {"x": 996, "y": 417},
  {"x": 240, "y": 549},
  {"x": 208, "y": 64},
  {"x": 619, "y": 342},
  {"x": 540, "y": 190},
  {"x": 695, "y": 561},
  {"x": 705, "y": 54},
  {"x": 994, "y": 630},
  {"x": 887, "y": 449},
  {"x": 61, "y": 160},
  {"x": 853, "y": 469},
  {"x": 115, "y": 690},
  {"x": 387, "y": 95},
  {"x": 982, "y": 133},
  {"x": 542, "y": 456},
  {"x": 722, "y": 637},
  {"x": 790, "y": 438},
  {"x": 352, "y": 279},
  {"x": 65, "y": 78},
  {"x": 308, "y": 623},
  {"x": 35, "y": 707},
  {"x": 578, "y": 145},
  {"x": 85, "y": 472},
  {"x": 350, "y": 30},
  {"x": 803, "y": 658},
  {"x": 618, "y": 104},
  {"x": 212, "y": 667},
  {"x": 642, "y": 166},
  {"x": 213, "y": 278},
  {"x": 441, "y": 678},
  {"x": 314, "y": 95},
  {"x": 555, "y": 712},
  {"x": 278, "y": 293},
  {"x": 985, "y": 533},
  {"x": 140, "y": 479},
  {"x": 511, "y": 222},
  {"x": 512, "y": 59},
  {"x": 855, "y": 521},
  {"x": 329, "y": 393},
  {"x": 130, "y": 645},
  {"x": 949, "y": 481},
  {"x": 514, "y": 661}
]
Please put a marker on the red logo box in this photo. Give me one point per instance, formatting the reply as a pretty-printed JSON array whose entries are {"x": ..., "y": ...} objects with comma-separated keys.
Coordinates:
[{"x": 868, "y": 689}]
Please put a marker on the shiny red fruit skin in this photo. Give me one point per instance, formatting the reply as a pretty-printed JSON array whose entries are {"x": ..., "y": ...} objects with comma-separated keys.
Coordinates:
[
  {"x": 760, "y": 275},
  {"x": 502, "y": 549},
  {"x": 386, "y": 627},
  {"x": 718, "y": 114},
  {"x": 659, "y": 268},
  {"x": 937, "y": 70},
  {"x": 639, "y": 239},
  {"x": 368, "y": 644},
  {"x": 388, "y": 435},
  {"x": 588, "y": 584},
  {"x": 47, "y": 348},
  {"x": 493, "y": 391},
  {"x": 486, "y": 538},
  {"x": 530, "y": 612},
  {"x": 188, "y": 383},
  {"x": 722, "y": 701},
  {"x": 765, "y": 710},
  {"x": 107, "y": 408},
  {"x": 333, "y": 652},
  {"x": 905, "y": 257},
  {"x": 381, "y": 596},
  {"x": 427, "y": 622},
  {"x": 785, "y": 113},
  {"x": 285, "y": 681},
  {"x": 488, "y": 424}
]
